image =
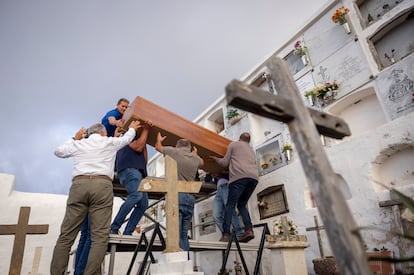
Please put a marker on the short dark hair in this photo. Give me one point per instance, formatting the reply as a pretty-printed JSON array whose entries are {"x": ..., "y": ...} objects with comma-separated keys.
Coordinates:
[
  {"x": 183, "y": 143},
  {"x": 245, "y": 137},
  {"x": 122, "y": 100}
]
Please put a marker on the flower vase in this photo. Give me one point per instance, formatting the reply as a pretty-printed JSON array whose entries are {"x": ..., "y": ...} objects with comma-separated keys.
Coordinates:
[
  {"x": 346, "y": 27},
  {"x": 323, "y": 140},
  {"x": 311, "y": 100},
  {"x": 329, "y": 97},
  {"x": 288, "y": 155},
  {"x": 304, "y": 59}
]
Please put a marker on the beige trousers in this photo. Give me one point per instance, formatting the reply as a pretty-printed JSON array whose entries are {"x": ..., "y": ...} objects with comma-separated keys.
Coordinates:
[{"x": 86, "y": 196}]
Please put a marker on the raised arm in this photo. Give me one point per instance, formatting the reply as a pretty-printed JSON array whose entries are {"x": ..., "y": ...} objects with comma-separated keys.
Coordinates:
[
  {"x": 158, "y": 145},
  {"x": 139, "y": 144}
]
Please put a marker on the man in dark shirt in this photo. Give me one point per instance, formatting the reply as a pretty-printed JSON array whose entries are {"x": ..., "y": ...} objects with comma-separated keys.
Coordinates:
[{"x": 131, "y": 165}]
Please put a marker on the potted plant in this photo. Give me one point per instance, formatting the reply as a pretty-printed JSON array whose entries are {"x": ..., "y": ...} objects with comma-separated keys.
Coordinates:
[
  {"x": 300, "y": 49},
  {"x": 339, "y": 16},
  {"x": 233, "y": 116}
]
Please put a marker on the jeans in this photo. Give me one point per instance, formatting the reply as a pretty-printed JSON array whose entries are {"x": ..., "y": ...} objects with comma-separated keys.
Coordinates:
[
  {"x": 186, "y": 209},
  {"x": 220, "y": 201},
  {"x": 239, "y": 194},
  {"x": 130, "y": 178},
  {"x": 83, "y": 248}
]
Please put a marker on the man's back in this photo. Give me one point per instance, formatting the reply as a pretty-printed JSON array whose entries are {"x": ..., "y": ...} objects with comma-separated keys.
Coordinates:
[
  {"x": 187, "y": 162},
  {"x": 241, "y": 160}
]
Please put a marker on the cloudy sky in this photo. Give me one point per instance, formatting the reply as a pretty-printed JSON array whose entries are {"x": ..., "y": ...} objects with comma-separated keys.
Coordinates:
[{"x": 64, "y": 64}]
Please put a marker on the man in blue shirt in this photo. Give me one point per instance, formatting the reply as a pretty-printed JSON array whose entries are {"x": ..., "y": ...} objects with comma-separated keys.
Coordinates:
[{"x": 113, "y": 118}]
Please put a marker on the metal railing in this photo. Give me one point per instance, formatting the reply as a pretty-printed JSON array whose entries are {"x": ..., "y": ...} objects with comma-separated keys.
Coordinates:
[{"x": 259, "y": 252}]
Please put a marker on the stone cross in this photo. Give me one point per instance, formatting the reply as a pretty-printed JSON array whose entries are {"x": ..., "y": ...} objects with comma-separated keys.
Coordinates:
[
  {"x": 285, "y": 225},
  {"x": 318, "y": 234},
  {"x": 20, "y": 230},
  {"x": 288, "y": 107},
  {"x": 172, "y": 186}
]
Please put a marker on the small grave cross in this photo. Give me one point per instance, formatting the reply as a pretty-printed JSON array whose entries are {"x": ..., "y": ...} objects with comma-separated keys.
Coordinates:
[
  {"x": 172, "y": 186},
  {"x": 285, "y": 225},
  {"x": 289, "y": 108},
  {"x": 36, "y": 261},
  {"x": 318, "y": 234},
  {"x": 20, "y": 230}
]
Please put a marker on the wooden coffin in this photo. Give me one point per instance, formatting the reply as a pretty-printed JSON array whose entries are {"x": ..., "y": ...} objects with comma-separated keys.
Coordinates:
[{"x": 169, "y": 124}]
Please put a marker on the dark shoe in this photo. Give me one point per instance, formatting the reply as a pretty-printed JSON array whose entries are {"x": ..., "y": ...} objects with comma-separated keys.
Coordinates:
[
  {"x": 114, "y": 232},
  {"x": 247, "y": 236},
  {"x": 224, "y": 238}
]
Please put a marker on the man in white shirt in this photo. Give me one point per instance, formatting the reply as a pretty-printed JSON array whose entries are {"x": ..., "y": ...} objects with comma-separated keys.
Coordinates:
[{"x": 90, "y": 194}]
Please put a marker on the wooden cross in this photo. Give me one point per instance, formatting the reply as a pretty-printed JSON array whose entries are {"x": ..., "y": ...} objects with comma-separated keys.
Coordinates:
[
  {"x": 20, "y": 230},
  {"x": 318, "y": 234},
  {"x": 172, "y": 186},
  {"x": 289, "y": 108}
]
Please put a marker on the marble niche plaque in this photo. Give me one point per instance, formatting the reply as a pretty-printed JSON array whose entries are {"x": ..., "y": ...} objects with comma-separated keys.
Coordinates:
[
  {"x": 207, "y": 224},
  {"x": 395, "y": 88},
  {"x": 325, "y": 38},
  {"x": 272, "y": 201},
  {"x": 348, "y": 66}
]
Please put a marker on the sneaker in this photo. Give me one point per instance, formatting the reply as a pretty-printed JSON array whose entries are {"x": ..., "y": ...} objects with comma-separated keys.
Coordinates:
[
  {"x": 247, "y": 236},
  {"x": 224, "y": 238}
]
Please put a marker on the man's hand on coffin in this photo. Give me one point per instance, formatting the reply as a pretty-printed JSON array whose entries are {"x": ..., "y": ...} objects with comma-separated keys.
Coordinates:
[{"x": 135, "y": 124}]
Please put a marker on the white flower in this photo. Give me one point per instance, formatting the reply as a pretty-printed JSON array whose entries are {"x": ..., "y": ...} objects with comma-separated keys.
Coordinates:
[{"x": 278, "y": 228}]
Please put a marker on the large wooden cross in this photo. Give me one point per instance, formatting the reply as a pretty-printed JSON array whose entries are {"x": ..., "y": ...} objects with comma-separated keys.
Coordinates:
[
  {"x": 288, "y": 107},
  {"x": 172, "y": 186},
  {"x": 20, "y": 230}
]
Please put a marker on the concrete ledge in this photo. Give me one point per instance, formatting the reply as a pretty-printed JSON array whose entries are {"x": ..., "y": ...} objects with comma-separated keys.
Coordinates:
[{"x": 128, "y": 243}]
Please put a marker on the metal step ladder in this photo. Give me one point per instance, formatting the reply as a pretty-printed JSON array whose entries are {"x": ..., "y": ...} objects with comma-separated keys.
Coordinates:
[
  {"x": 144, "y": 243},
  {"x": 259, "y": 252}
]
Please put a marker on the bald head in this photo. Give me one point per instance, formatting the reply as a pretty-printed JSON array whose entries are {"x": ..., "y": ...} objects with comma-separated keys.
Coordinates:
[
  {"x": 183, "y": 143},
  {"x": 245, "y": 137}
]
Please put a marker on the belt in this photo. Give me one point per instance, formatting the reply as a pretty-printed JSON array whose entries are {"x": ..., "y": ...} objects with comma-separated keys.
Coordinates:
[{"x": 91, "y": 177}]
